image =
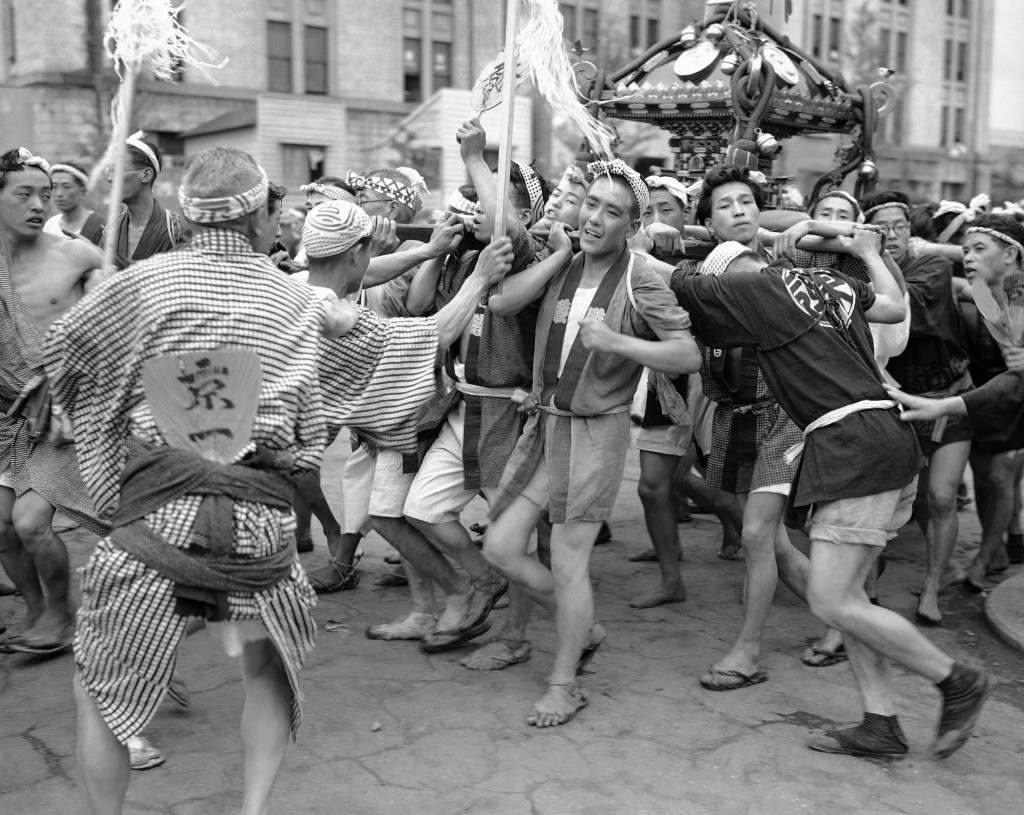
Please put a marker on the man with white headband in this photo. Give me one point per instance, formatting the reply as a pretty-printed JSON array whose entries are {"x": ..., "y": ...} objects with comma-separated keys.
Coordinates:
[
  {"x": 73, "y": 217},
  {"x": 809, "y": 329},
  {"x": 605, "y": 315},
  {"x": 934, "y": 364},
  {"x": 144, "y": 227},
  {"x": 218, "y": 303},
  {"x": 337, "y": 236},
  {"x": 41, "y": 277}
]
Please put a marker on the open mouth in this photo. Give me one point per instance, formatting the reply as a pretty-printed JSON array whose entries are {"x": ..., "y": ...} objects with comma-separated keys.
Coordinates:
[
  {"x": 34, "y": 222},
  {"x": 590, "y": 233}
]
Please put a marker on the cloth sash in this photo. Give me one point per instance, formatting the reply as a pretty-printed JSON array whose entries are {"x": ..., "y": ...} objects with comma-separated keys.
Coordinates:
[
  {"x": 469, "y": 389},
  {"x": 559, "y": 390},
  {"x": 154, "y": 476},
  {"x": 833, "y": 416}
]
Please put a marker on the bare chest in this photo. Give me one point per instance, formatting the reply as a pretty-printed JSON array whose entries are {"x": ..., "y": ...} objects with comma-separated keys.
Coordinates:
[{"x": 48, "y": 286}]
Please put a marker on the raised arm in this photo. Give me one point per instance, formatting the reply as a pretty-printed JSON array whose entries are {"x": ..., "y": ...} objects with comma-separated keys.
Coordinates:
[
  {"x": 492, "y": 266},
  {"x": 446, "y": 236},
  {"x": 472, "y": 140},
  {"x": 888, "y": 306}
]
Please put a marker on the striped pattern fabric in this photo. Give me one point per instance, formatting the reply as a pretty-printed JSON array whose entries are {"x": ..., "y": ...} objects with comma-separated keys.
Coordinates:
[
  {"x": 225, "y": 208},
  {"x": 377, "y": 378},
  {"x": 332, "y": 227},
  {"x": 389, "y": 187},
  {"x": 217, "y": 293},
  {"x": 618, "y": 167}
]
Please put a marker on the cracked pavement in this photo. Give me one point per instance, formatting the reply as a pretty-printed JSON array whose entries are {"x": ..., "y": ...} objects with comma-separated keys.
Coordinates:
[{"x": 388, "y": 729}]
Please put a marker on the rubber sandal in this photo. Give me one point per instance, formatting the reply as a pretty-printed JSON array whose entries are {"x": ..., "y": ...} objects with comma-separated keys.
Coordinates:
[
  {"x": 345, "y": 577},
  {"x": 577, "y": 697},
  {"x": 436, "y": 643},
  {"x": 513, "y": 652},
  {"x": 45, "y": 649},
  {"x": 142, "y": 754},
  {"x": 828, "y": 657},
  {"x": 717, "y": 680}
]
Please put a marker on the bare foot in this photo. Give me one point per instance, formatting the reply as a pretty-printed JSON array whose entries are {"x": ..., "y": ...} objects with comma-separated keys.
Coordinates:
[
  {"x": 928, "y": 609},
  {"x": 51, "y": 628},
  {"x": 730, "y": 549},
  {"x": 558, "y": 705},
  {"x": 496, "y": 655},
  {"x": 663, "y": 594}
]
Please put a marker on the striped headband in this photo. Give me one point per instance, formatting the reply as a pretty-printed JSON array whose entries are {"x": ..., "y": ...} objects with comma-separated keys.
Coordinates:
[
  {"x": 533, "y": 189},
  {"x": 995, "y": 233},
  {"x": 334, "y": 227},
  {"x": 721, "y": 256},
  {"x": 328, "y": 191},
  {"x": 898, "y": 204},
  {"x": 72, "y": 171},
  {"x": 626, "y": 173},
  {"x": 460, "y": 204},
  {"x": 225, "y": 208},
  {"x": 846, "y": 197},
  {"x": 671, "y": 186},
  {"x": 389, "y": 187},
  {"x": 27, "y": 159},
  {"x": 136, "y": 140}
]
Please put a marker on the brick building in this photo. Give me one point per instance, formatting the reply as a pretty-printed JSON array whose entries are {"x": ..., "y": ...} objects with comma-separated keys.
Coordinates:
[{"x": 322, "y": 86}]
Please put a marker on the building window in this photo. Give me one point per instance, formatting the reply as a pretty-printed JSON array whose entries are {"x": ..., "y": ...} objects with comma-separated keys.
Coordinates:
[
  {"x": 634, "y": 33},
  {"x": 412, "y": 51},
  {"x": 816, "y": 35},
  {"x": 653, "y": 31},
  {"x": 884, "y": 52},
  {"x": 950, "y": 8},
  {"x": 959, "y": 131},
  {"x": 901, "y": 52},
  {"x": 944, "y": 127},
  {"x": 835, "y": 37},
  {"x": 947, "y": 59},
  {"x": 279, "y": 56},
  {"x": 315, "y": 59},
  {"x": 961, "y": 63},
  {"x": 897, "y": 124},
  {"x": 302, "y": 163},
  {"x": 442, "y": 65},
  {"x": 965, "y": 9},
  {"x": 568, "y": 20},
  {"x": 591, "y": 28}
]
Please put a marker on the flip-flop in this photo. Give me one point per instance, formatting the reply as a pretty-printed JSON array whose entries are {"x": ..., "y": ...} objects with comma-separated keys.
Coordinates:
[
  {"x": 515, "y": 651},
  {"x": 828, "y": 657},
  {"x": 436, "y": 643},
  {"x": 7, "y": 641},
  {"x": 588, "y": 654},
  {"x": 49, "y": 649},
  {"x": 718, "y": 680},
  {"x": 7, "y": 590}
]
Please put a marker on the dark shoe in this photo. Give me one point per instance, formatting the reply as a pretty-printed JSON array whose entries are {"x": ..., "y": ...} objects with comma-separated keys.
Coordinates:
[
  {"x": 862, "y": 741},
  {"x": 964, "y": 693},
  {"x": 304, "y": 545},
  {"x": 335, "y": 576}
]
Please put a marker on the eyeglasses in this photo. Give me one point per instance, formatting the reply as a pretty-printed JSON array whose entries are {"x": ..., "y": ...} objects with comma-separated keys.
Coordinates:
[
  {"x": 898, "y": 228},
  {"x": 374, "y": 201}
]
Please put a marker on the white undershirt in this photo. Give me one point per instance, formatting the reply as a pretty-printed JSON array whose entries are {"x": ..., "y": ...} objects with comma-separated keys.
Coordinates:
[{"x": 581, "y": 301}]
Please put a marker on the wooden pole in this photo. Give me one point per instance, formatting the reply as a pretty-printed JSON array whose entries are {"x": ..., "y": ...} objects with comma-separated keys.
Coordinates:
[
  {"x": 126, "y": 93},
  {"x": 508, "y": 98}
]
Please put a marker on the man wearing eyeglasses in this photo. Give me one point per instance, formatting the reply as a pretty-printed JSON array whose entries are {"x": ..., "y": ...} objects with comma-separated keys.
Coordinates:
[{"x": 934, "y": 364}]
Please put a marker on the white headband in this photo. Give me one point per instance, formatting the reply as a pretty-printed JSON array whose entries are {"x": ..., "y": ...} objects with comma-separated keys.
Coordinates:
[
  {"x": 72, "y": 171},
  {"x": 846, "y": 197},
  {"x": 995, "y": 233},
  {"x": 27, "y": 159},
  {"x": 460, "y": 204},
  {"x": 328, "y": 191},
  {"x": 136, "y": 140},
  {"x": 225, "y": 208},
  {"x": 876, "y": 208},
  {"x": 671, "y": 186},
  {"x": 619, "y": 168}
]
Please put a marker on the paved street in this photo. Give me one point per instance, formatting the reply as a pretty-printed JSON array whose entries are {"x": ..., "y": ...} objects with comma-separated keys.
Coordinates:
[{"x": 390, "y": 730}]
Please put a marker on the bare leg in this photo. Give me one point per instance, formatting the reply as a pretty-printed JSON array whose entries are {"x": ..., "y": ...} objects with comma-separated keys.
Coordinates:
[
  {"x": 17, "y": 562},
  {"x": 101, "y": 759},
  {"x": 655, "y": 490},
  {"x": 995, "y": 512},
  {"x": 266, "y": 723},
  {"x": 506, "y": 547},
  {"x": 945, "y": 472},
  {"x": 416, "y": 549},
  {"x": 762, "y": 516},
  {"x": 452, "y": 538},
  {"x": 32, "y": 517}
]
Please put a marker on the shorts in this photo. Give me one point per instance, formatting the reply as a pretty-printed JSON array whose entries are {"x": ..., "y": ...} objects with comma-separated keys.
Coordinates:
[
  {"x": 390, "y": 485},
  {"x": 438, "y": 492},
  {"x": 958, "y": 428},
  {"x": 749, "y": 449},
  {"x": 356, "y": 488},
  {"x": 869, "y": 520},
  {"x": 669, "y": 439}
]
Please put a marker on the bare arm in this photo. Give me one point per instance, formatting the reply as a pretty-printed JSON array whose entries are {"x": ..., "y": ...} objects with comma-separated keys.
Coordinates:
[
  {"x": 472, "y": 140},
  {"x": 446, "y": 236},
  {"x": 676, "y": 353},
  {"x": 494, "y": 263},
  {"x": 521, "y": 289},
  {"x": 889, "y": 306}
]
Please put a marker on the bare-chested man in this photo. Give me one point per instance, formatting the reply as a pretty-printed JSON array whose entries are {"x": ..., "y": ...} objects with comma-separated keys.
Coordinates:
[{"x": 41, "y": 277}]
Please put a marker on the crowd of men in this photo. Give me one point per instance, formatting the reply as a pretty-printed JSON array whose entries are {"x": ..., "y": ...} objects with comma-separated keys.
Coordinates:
[{"x": 509, "y": 361}]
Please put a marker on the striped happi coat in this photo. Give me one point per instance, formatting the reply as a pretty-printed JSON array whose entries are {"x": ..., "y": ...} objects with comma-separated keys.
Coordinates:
[{"x": 216, "y": 294}]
